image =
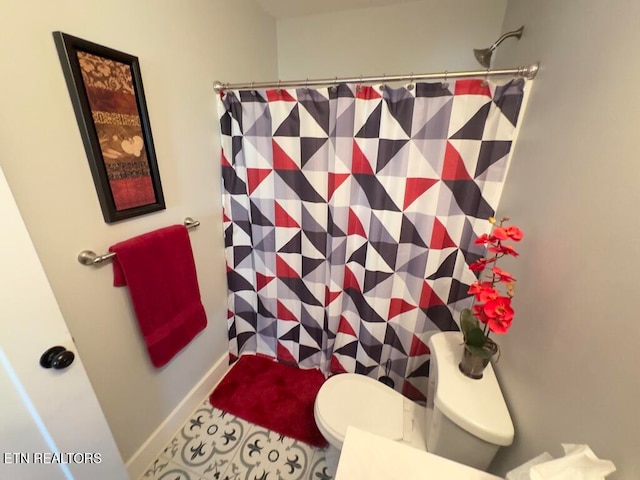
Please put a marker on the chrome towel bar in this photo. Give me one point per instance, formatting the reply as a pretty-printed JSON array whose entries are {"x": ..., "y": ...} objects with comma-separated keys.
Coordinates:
[{"x": 88, "y": 257}]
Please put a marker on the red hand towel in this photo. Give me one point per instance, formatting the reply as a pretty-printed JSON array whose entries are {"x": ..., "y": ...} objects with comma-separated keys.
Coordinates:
[{"x": 160, "y": 271}]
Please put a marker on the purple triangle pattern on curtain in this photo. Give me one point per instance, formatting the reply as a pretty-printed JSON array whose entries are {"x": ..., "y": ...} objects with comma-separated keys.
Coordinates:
[{"x": 350, "y": 215}]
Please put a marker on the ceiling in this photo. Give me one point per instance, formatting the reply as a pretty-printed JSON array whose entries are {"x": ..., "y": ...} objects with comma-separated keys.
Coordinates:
[{"x": 297, "y": 8}]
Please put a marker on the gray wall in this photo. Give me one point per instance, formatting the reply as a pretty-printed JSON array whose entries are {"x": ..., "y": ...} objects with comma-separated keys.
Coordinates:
[
  {"x": 569, "y": 363},
  {"x": 183, "y": 47},
  {"x": 424, "y": 36}
]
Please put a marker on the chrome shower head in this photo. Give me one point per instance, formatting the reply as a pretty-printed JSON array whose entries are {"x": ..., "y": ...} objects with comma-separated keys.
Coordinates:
[{"x": 484, "y": 55}]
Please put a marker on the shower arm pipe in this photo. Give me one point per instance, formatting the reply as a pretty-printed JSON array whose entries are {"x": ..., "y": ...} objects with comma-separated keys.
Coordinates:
[
  {"x": 516, "y": 33},
  {"x": 528, "y": 71}
]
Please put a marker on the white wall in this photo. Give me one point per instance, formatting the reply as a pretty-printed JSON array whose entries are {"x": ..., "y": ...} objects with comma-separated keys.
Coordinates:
[
  {"x": 183, "y": 47},
  {"x": 569, "y": 364},
  {"x": 419, "y": 37}
]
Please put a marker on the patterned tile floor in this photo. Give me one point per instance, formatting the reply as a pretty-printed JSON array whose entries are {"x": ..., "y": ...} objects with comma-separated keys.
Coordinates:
[{"x": 214, "y": 445}]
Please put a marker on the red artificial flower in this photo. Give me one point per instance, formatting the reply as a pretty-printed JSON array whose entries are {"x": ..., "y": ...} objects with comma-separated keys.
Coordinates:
[
  {"x": 499, "y": 314},
  {"x": 493, "y": 308},
  {"x": 483, "y": 291},
  {"x": 474, "y": 288},
  {"x": 504, "y": 250},
  {"x": 500, "y": 233},
  {"x": 499, "y": 307},
  {"x": 499, "y": 325},
  {"x": 503, "y": 276},
  {"x": 484, "y": 239},
  {"x": 478, "y": 265},
  {"x": 514, "y": 233},
  {"x": 481, "y": 264},
  {"x": 487, "y": 294},
  {"x": 504, "y": 233},
  {"x": 479, "y": 313}
]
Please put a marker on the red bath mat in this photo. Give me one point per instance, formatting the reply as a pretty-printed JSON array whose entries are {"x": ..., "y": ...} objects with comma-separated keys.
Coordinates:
[{"x": 275, "y": 396}]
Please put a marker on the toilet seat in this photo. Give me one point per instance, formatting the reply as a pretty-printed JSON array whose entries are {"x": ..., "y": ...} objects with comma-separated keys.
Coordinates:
[{"x": 352, "y": 399}]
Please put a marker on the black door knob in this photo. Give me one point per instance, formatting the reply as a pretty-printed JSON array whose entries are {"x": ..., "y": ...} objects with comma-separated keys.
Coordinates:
[{"x": 57, "y": 357}]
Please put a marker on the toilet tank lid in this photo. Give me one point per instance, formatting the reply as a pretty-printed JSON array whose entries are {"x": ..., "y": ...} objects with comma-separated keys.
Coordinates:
[{"x": 476, "y": 406}]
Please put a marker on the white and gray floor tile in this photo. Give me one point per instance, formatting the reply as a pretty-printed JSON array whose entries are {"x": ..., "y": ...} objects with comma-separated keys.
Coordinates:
[{"x": 214, "y": 445}]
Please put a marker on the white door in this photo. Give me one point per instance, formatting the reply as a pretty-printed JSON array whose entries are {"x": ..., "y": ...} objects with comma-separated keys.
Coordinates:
[{"x": 51, "y": 425}]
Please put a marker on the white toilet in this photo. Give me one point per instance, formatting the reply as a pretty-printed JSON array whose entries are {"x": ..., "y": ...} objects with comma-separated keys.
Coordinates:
[{"x": 465, "y": 420}]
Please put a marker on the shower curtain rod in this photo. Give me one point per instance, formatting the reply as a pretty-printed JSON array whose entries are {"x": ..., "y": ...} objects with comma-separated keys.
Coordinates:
[{"x": 528, "y": 72}]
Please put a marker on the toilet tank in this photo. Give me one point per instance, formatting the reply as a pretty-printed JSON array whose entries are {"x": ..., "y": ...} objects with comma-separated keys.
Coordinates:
[{"x": 467, "y": 419}]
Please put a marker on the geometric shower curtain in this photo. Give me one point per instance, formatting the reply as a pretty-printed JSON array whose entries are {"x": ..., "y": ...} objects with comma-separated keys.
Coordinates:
[{"x": 350, "y": 215}]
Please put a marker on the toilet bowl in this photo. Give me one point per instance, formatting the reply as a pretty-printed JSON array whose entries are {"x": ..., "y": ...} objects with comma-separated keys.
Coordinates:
[
  {"x": 354, "y": 400},
  {"x": 465, "y": 420}
]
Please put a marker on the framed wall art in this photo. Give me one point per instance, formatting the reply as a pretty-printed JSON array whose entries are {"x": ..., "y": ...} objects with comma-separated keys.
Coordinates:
[{"x": 105, "y": 87}]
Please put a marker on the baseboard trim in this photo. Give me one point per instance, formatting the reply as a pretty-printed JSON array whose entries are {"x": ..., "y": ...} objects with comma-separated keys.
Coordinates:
[{"x": 148, "y": 452}]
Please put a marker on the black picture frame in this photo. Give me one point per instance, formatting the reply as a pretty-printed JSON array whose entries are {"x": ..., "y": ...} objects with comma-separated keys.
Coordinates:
[{"x": 118, "y": 140}]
